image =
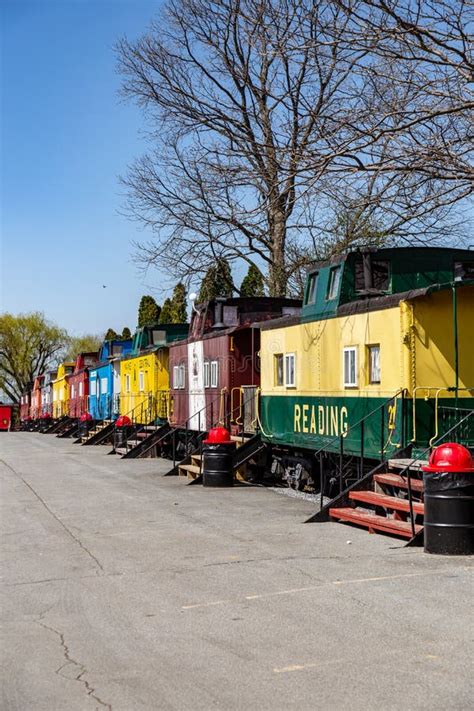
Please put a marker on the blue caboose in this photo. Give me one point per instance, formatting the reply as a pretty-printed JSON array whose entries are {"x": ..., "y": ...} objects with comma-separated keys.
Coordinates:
[{"x": 104, "y": 380}]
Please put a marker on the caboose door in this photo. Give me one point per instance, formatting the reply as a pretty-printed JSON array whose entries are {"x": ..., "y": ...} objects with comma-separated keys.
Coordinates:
[{"x": 197, "y": 397}]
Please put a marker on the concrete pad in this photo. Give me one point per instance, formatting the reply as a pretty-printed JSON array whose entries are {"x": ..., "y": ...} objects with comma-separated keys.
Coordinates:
[{"x": 125, "y": 590}]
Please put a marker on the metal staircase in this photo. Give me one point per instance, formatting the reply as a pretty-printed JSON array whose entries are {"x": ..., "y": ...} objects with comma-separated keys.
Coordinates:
[
  {"x": 147, "y": 430},
  {"x": 145, "y": 442},
  {"x": 100, "y": 434},
  {"x": 389, "y": 498}
]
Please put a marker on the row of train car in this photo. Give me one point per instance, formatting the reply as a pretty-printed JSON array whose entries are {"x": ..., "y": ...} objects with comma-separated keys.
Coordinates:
[{"x": 376, "y": 363}]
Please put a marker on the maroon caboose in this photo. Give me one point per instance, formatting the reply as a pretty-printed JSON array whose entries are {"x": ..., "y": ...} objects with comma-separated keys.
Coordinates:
[
  {"x": 214, "y": 373},
  {"x": 25, "y": 404},
  {"x": 79, "y": 384}
]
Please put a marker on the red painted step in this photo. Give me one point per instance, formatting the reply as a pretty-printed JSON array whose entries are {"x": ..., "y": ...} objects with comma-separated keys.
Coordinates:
[
  {"x": 397, "y": 480},
  {"x": 388, "y": 502},
  {"x": 375, "y": 523}
]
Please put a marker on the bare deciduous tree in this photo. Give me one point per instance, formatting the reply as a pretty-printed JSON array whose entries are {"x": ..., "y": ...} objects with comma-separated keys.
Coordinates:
[{"x": 263, "y": 114}]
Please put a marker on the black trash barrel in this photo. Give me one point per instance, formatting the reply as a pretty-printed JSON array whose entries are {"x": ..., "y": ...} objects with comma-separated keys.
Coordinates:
[
  {"x": 217, "y": 455},
  {"x": 122, "y": 431},
  {"x": 449, "y": 502}
]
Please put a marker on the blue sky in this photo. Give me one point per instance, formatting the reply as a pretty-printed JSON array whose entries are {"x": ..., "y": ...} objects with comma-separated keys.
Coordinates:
[{"x": 66, "y": 137}]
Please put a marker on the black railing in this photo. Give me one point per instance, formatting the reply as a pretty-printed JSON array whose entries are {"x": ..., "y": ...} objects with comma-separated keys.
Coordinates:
[
  {"x": 384, "y": 440},
  {"x": 453, "y": 433}
]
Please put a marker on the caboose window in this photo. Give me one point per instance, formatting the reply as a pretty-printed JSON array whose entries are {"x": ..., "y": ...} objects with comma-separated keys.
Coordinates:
[
  {"x": 207, "y": 375},
  {"x": 374, "y": 364},
  {"x": 350, "y": 367},
  {"x": 127, "y": 383},
  {"x": 463, "y": 271},
  {"x": 214, "y": 373},
  {"x": 290, "y": 377},
  {"x": 311, "y": 295},
  {"x": 278, "y": 369},
  {"x": 81, "y": 389},
  {"x": 334, "y": 281},
  {"x": 141, "y": 381},
  {"x": 72, "y": 392}
]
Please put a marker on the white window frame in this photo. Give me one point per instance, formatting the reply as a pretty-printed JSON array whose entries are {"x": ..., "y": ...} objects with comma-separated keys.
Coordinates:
[
  {"x": 127, "y": 382},
  {"x": 370, "y": 362},
  {"x": 334, "y": 282},
  {"x": 182, "y": 376},
  {"x": 348, "y": 383},
  {"x": 104, "y": 385},
  {"x": 81, "y": 388},
  {"x": 207, "y": 374},
  {"x": 312, "y": 287},
  {"x": 141, "y": 381},
  {"x": 290, "y": 382},
  {"x": 73, "y": 390},
  {"x": 214, "y": 373}
]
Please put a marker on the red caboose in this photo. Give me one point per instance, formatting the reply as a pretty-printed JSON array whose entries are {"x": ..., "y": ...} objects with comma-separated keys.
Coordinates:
[
  {"x": 25, "y": 405},
  {"x": 5, "y": 417},
  {"x": 35, "y": 407},
  {"x": 215, "y": 371},
  {"x": 79, "y": 384}
]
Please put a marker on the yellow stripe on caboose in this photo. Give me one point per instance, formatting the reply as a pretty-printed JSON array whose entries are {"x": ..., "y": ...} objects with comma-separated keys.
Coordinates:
[{"x": 415, "y": 341}]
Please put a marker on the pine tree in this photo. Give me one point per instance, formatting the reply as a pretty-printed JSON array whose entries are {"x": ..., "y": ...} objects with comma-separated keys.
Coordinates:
[
  {"x": 217, "y": 281},
  {"x": 148, "y": 311},
  {"x": 110, "y": 335},
  {"x": 179, "y": 311},
  {"x": 252, "y": 284},
  {"x": 166, "y": 315},
  {"x": 126, "y": 334}
]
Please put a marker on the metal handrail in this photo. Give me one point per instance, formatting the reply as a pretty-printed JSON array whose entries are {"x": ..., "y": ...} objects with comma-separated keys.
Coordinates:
[
  {"x": 360, "y": 423},
  {"x": 422, "y": 457}
]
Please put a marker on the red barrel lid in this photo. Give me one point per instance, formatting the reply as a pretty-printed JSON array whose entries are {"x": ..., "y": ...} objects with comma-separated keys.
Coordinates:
[
  {"x": 218, "y": 435},
  {"x": 123, "y": 421},
  {"x": 450, "y": 457},
  {"x": 86, "y": 416}
]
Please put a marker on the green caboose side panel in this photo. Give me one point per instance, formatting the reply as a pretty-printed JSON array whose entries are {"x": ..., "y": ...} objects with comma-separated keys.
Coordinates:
[
  {"x": 368, "y": 425},
  {"x": 317, "y": 423}
]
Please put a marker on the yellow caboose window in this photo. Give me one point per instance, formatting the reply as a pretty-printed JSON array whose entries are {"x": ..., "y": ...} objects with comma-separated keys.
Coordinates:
[
  {"x": 373, "y": 361},
  {"x": 278, "y": 369},
  {"x": 350, "y": 367}
]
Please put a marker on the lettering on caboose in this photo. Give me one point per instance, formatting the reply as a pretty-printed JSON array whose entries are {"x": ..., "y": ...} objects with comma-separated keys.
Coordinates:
[{"x": 328, "y": 420}]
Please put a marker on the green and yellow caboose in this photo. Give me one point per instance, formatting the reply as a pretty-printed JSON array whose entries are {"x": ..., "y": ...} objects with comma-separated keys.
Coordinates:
[{"x": 380, "y": 361}]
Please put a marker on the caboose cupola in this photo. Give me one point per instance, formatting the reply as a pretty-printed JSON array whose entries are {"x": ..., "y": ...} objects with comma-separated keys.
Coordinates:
[{"x": 364, "y": 279}]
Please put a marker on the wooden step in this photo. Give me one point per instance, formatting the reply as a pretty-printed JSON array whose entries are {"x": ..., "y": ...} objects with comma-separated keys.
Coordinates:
[
  {"x": 375, "y": 523},
  {"x": 239, "y": 439},
  {"x": 393, "y": 503},
  {"x": 390, "y": 479},
  {"x": 190, "y": 470},
  {"x": 414, "y": 464},
  {"x": 196, "y": 459}
]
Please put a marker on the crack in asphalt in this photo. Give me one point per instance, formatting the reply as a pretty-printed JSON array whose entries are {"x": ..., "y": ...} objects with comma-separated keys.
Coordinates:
[
  {"x": 56, "y": 518},
  {"x": 91, "y": 691}
]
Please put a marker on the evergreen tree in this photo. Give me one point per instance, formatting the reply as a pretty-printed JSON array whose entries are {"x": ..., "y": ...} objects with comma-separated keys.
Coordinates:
[
  {"x": 217, "y": 281},
  {"x": 252, "y": 284},
  {"x": 148, "y": 311},
  {"x": 166, "y": 315},
  {"x": 126, "y": 334},
  {"x": 178, "y": 301},
  {"x": 110, "y": 335}
]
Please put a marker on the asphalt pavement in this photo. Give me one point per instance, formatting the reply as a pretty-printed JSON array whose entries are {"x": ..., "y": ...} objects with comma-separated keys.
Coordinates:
[{"x": 126, "y": 590}]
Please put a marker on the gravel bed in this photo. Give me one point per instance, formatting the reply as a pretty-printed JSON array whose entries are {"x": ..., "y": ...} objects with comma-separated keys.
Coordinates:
[{"x": 303, "y": 495}]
